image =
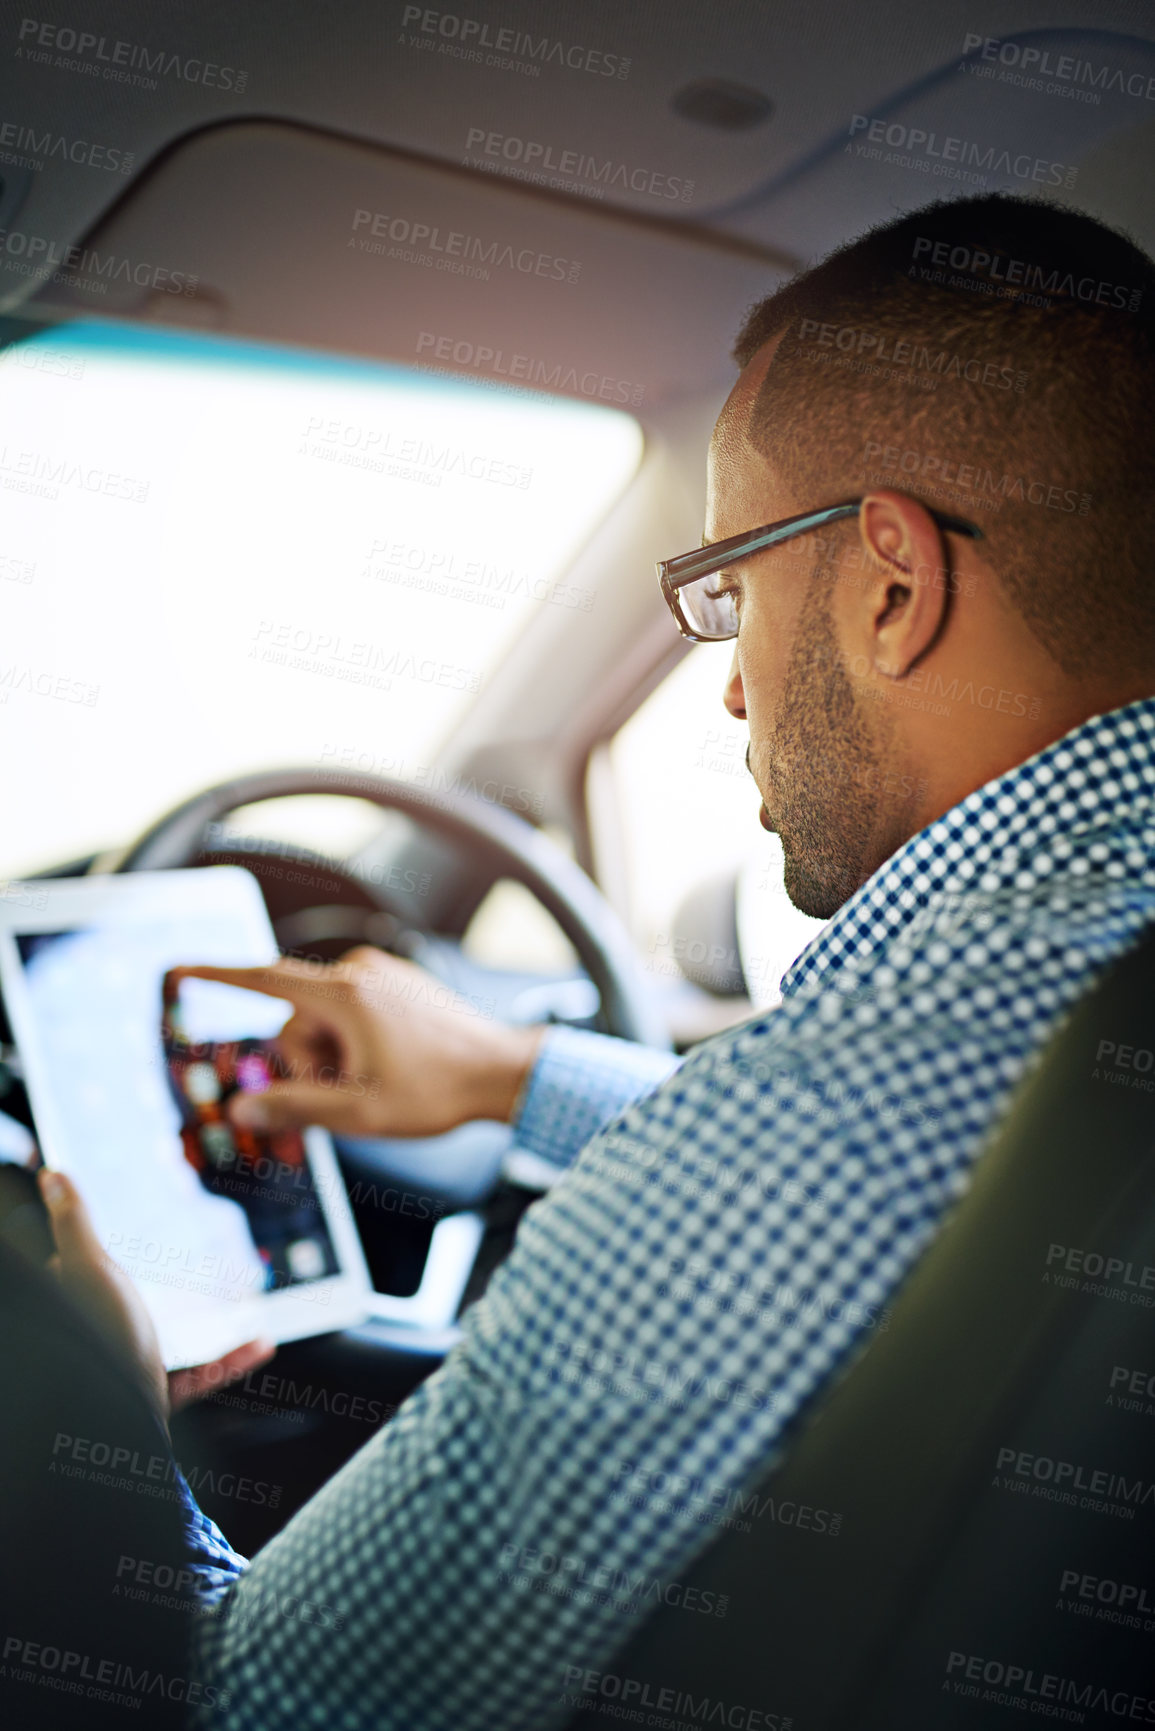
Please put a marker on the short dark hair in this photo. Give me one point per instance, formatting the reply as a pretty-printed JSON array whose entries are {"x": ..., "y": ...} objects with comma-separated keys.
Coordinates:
[{"x": 994, "y": 356}]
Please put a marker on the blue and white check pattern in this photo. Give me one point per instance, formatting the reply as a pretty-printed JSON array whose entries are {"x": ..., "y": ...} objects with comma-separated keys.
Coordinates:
[{"x": 711, "y": 1257}]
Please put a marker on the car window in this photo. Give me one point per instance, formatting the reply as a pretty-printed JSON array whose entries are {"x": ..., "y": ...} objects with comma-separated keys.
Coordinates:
[
  {"x": 685, "y": 810},
  {"x": 218, "y": 556}
]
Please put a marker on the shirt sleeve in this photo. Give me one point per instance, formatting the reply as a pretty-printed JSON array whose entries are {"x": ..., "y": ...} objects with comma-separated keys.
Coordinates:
[{"x": 578, "y": 1083}]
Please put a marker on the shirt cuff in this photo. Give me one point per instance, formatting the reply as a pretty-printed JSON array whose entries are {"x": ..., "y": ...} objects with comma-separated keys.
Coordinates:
[{"x": 578, "y": 1083}]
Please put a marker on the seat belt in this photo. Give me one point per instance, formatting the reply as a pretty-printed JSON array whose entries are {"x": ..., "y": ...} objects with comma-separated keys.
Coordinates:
[{"x": 987, "y": 1486}]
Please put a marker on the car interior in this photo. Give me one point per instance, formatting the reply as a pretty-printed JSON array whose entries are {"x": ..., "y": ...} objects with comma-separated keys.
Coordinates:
[{"x": 355, "y": 373}]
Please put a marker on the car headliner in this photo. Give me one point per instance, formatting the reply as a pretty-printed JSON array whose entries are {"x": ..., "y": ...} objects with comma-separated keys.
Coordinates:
[{"x": 779, "y": 191}]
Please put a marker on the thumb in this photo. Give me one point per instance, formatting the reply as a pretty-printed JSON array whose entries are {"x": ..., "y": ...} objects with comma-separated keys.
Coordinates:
[{"x": 72, "y": 1228}]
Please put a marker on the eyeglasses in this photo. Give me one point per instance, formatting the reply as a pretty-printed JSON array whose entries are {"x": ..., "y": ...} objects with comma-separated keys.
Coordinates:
[{"x": 705, "y": 614}]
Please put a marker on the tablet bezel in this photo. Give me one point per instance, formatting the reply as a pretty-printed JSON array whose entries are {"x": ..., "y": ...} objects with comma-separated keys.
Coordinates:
[{"x": 341, "y": 1300}]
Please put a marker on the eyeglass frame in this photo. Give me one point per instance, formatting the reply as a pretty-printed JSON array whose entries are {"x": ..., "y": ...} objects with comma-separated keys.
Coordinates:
[{"x": 675, "y": 574}]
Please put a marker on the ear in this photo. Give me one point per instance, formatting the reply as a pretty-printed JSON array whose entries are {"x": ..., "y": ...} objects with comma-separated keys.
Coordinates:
[{"x": 906, "y": 581}]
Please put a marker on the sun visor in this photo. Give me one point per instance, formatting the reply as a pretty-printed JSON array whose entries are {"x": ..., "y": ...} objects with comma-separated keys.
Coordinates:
[{"x": 295, "y": 236}]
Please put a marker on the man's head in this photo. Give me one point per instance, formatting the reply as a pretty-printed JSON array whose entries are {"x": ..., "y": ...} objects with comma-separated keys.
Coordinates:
[{"x": 992, "y": 359}]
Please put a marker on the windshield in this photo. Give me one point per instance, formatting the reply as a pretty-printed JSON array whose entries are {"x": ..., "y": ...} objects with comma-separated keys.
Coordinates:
[{"x": 218, "y": 556}]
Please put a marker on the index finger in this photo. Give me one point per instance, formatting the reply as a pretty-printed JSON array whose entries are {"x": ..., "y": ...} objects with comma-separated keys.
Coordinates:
[{"x": 288, "y": 978}]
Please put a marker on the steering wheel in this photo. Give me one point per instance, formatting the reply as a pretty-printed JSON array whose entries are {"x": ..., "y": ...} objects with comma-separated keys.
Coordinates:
[{"x": 512, "y": 847}]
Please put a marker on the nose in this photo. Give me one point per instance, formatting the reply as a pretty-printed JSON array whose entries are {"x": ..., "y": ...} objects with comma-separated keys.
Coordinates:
[{"x": 732, "y": 694}]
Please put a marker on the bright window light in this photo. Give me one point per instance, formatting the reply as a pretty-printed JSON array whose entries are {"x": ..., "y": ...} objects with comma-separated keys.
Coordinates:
[
  {"x": 689, "y": 812},
  {"x": 218, "y": 557}
]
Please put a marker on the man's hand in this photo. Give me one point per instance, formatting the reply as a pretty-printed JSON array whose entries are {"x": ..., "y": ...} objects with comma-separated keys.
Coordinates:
[
  {"x": 106, "y": 1294},
  {"x": 378, "y": 1047}
]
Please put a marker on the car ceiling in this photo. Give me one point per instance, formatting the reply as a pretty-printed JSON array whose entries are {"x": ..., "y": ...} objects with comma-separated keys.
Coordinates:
[{"x": 766, "y": 196}]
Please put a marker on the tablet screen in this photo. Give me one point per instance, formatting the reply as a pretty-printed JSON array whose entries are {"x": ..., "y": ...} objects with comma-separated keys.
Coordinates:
[
  {"x": 196, "y": 1211},
  {"x": 211, "y": 1055}
]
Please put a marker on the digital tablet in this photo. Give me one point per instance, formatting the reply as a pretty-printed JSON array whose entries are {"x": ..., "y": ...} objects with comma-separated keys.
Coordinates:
[{"x": 228, "y": 1235}]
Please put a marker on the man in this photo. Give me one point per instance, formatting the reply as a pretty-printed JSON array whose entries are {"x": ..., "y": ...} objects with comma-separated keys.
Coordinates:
[{"x": 948, "y": 689}]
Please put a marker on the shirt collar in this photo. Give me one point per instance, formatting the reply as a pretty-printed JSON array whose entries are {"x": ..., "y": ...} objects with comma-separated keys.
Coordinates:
[{"x": 1080, "y": 783}]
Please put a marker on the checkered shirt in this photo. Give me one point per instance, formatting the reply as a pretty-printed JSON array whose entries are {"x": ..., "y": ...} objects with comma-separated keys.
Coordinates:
[{"x": 716, "y": 1251}]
